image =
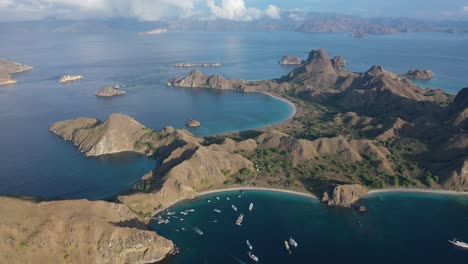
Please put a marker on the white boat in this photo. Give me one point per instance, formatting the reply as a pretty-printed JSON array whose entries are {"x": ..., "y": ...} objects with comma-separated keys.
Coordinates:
[
  {"x": 292, "y": 242},
  {"x": 227, "y": 198},
  {"x": 234, "y": 208},
  {"x": 217, "y": 211},
  {"x": 196, "y": 229},
  {"x": 459, "y": 243},
  {"x": 249, "y": 245},
  {"x": 183, "y": 229},
  {"x": 253, "y": 257},
  {"x": 251, "y": 207},
  {"x": 217, "y": 198},
  {"x": 287, "y": 246},
  {"x": 240, "y": 219}
]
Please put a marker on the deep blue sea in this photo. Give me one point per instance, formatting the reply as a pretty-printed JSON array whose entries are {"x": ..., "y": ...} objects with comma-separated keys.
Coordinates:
[
  {"x": 398, "y": 228},
  {"x": 36, "y": 162}
]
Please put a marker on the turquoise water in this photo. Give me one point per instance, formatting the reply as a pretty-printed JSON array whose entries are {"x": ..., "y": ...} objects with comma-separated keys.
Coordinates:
[
  {"x": 35, "y": 162},
  {"x": 398, "y": 228}
]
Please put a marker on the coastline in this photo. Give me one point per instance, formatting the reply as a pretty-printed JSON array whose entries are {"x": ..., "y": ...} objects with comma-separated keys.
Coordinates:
[
  {"x": 416, "y": 190},
  {"x": 294, "y": 107},
  {"x": 258, "y": 189}
]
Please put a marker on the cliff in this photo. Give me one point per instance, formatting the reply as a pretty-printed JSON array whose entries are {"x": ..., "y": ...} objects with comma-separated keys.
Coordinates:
[
  {"x": 78, "y": 231},
  {"x": 118, "y": 133},
  {"x": 7, "y": 68},
  {"x": 344, "y": 195}
]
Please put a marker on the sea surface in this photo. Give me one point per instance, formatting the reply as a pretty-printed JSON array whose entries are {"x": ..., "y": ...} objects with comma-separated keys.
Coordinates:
[
  {"x": 398, "y": 228},
  {"x": 35, "y": 162}
]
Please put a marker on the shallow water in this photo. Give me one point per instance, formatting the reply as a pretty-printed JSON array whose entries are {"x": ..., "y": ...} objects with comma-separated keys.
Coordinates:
[
  {"x": 35, "y": 162},
  {"x": 399, "y": 227}
]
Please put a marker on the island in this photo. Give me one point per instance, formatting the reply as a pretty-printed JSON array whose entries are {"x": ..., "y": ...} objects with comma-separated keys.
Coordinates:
[
  {"x": 354, "y": 133},
  {"x": 193, "y": 123},
  {"x": 190, "y": 65},
  {"x": 359, "y": 34},
  {"x": 156, "y": 31},
  {"x": 291, "y": 60},
  {"x": 110, "y": 91},
  {"x": 418, "y": 74},
  {"x": 70, "y": 78},
  {"x": 7, "y": 68}
]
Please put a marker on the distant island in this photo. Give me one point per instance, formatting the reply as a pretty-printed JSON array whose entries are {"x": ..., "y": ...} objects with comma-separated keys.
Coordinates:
[
  {"x": 418, "y": 74},
  {"x": 156, "y": 31},
  {"x": 193, "y": 123},
  {"x": 8, "y": 68},
  {"x": 110, "y": 91},
  {"x": 189, "y": 65},
  {"x": 70, "y": 78}
]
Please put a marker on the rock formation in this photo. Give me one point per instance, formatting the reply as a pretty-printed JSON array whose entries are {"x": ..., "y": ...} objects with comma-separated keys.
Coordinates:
[
  {"x": 78, "y": 231},
  {"x": 70, "y": 78},
  {"x": 344, "y": 195},
  {"x": 193, "y": 123},
  {"x": 110, "y": 91},
  {"x": 7, "y": 68},
  {"x": 119, "y": 133},
  {"x": 291, "y": 60},
  {"x": 418, "y": 74}
]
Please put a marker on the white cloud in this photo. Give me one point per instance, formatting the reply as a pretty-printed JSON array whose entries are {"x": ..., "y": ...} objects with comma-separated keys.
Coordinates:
[
  {"x": 75, "y": 9},
  {"x": 237, "y": 10},
  {"x": 465, "y": 8},
  {"x": 273, "y": 12}
]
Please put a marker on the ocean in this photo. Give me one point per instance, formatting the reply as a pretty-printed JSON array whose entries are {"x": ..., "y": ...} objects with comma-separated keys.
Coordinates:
[
  {"x": 35, "y": 162},
  {"x": 398, "y": 228}
]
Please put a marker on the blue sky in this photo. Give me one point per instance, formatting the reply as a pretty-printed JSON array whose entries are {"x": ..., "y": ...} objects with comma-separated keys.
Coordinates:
[{"x": 226, "y": 9}]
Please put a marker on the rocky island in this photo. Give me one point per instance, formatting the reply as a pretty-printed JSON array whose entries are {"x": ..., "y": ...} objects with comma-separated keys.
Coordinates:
[
  {"x": 418, "y": 74},
  {"x": 110, "y": 91},
  {"x": 291, "y": 60},
  {"x": 7, "y": 68},
  {"x": 193, "y": 123},
  {"x": 70, "y": 78},
  {"x": 199, "y": 65}
]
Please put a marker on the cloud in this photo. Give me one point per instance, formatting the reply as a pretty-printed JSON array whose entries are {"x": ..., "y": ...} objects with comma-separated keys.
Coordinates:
[
  {"x": 465, "y": 8},
  {"x": 77, "y": 9},
  {"x": 237, "y": 10}
]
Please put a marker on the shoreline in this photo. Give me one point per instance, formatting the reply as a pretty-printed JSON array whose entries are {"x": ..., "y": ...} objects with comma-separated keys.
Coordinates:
[
  {"x": 294, "y": 107},
  {"x": 416, "y": 190},
  {"x": 258, "y": 189}
]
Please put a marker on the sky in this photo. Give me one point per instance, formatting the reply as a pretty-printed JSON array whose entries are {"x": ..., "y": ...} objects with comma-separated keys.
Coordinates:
[{"x": 240, "y": 10}]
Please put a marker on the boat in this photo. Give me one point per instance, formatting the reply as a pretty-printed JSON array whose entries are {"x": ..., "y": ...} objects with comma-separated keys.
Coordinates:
[
  {"x": 234, "y": 208},
  {"x": 459, "y": 243},
  {"x": 183, "y": 229},
  {"x": 249, "y": 245},
  {"x": 209, "y": 201},
  {"x": 253, "y": 257},
  {"x": 240, "y": 219},
  {"x": 292, "y": 242},
  {"x": 217, "y": 198},
  {"x": 251, "y": 207},
  {"x": 287, "y": 246},
  {"x": 217, "y": 211},
  {"x": 227, "y": 198},
  {"x": 196, "y": 229}
]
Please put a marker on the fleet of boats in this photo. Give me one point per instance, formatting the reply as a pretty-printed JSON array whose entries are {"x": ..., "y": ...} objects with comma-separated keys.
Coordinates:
[{"x": 163, "y": 218}]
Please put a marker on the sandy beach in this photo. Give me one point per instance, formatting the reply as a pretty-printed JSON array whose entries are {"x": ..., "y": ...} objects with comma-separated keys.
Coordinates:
[
  {"x": 286, "y": 101},
  {"x": 414, "y": 190},
  {"x": 257, "y": 189}
]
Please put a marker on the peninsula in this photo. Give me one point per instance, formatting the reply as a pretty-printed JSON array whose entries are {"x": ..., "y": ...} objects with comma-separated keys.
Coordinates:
[{"x": 7, "y": 68}]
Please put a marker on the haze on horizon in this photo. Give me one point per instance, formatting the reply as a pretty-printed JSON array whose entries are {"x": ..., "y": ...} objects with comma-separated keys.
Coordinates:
[{"x": 236, "y": 10}]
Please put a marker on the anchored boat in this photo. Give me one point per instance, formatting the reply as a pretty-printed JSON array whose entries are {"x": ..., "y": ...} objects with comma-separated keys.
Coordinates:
[
  {"x": 196, "y": 229},
  {"x": 292, "y": 242},
  {"x": 240, "y": 219},
  {"x": 459, "y": 243},
  {"x": 217, "y": 211},
  {"x": 249, "y": 245},
  {"x": 234, "y": 208},
  {"x": 287, "y": 246},
  {"x": 251, "y": 207},
  {"x": 253, "y": 257}
]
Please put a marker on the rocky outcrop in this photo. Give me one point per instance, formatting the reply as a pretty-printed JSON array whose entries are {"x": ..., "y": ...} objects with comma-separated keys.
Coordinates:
[
  {"x": 7, "y": 68},
  {"x": 118, "y": 133},
  {"x": 78, "y": 231},
  {"x": 193, "y": 123},
  {"x": 70, "y": 78},
  {"x": 291, "y": 60},
  {"x": 459, "y": 109},
  {"x": 344, "y": 195},
  {"x": 418, "y": 74},
  {"x": 110, "y": 91},
  {"x": 197, "y": 79}
]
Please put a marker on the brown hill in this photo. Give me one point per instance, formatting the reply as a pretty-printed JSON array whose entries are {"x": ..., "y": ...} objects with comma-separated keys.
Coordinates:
[
  {"x": 77, "y": 231},
  {"x": 7, "y": 68}
]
